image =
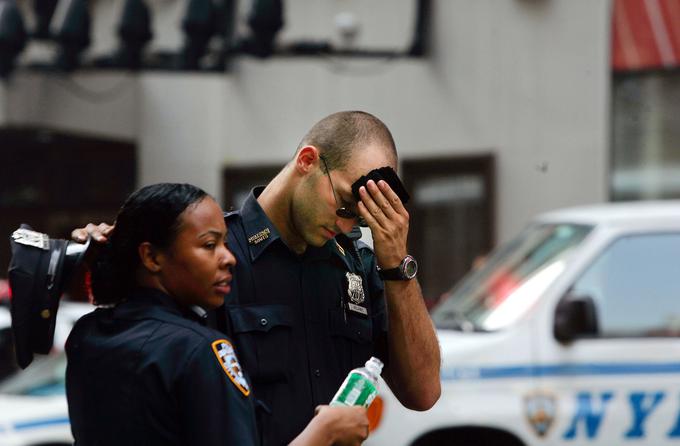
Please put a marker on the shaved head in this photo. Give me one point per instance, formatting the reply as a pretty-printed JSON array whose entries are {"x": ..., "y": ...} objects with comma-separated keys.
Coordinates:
[{"x": 339, "y": 135}]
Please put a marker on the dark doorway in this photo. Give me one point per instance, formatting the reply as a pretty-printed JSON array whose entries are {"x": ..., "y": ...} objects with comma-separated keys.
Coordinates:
[
  {"x": 56, "y": 181},
  {"x": 452, "y": 217},
  {"x": 237, "y": 182}
]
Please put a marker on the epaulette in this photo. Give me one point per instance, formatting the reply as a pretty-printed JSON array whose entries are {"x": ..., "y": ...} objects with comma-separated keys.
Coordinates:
[
  {"x": 354, "y": 234},
  {"x": 353, "y": 240},
  {"x": 351, "y": 243},
  {"x": 231, "y": 213},
  {"x": 362, "y": 245},
  {"x": 357, "y": 250}
]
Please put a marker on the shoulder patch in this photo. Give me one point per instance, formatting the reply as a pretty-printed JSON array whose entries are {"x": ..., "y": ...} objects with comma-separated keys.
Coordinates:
[{"x": 227, "y": 357}]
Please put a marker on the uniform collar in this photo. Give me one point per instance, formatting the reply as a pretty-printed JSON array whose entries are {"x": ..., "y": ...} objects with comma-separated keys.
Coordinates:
[
  {"x": 141, "y": 299},
  {"x": 260, "y": 231}
]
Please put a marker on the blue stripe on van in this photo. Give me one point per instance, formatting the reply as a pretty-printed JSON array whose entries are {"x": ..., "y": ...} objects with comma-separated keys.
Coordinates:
[
  {"x": 33, "y": 424},
  {"x": 541, "y": 371}
]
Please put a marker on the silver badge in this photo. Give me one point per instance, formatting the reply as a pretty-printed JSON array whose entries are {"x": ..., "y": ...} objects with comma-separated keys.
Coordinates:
[
  {"x": 32, "y": 238},
  {"x": 355, "y": 290}
]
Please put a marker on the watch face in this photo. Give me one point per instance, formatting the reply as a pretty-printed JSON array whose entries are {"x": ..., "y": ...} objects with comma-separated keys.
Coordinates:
[{"x": 410, "y": 268}]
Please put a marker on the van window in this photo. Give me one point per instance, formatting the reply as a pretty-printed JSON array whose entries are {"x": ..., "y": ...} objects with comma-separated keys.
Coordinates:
[
  {"x": 507, "y": 285},
  {"x": 635, "y": 285}
]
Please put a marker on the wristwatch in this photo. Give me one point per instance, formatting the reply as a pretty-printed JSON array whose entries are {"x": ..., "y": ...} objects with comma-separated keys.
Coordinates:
[{"x": 407, "y": 270}]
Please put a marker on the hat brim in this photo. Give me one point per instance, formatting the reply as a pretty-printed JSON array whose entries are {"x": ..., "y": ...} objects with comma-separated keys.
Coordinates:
[{"x": 37, "y": 279}]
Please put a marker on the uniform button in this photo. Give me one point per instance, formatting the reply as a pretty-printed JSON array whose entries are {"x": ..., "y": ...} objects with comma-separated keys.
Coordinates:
[
  {"x": 359, "y": 333},
  {"x": 263, "y": 322},
  {"x": 317, "y": 372}
]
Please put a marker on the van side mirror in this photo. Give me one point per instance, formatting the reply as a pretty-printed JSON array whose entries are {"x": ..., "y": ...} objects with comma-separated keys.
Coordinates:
[{"x": 575, "y": 317}]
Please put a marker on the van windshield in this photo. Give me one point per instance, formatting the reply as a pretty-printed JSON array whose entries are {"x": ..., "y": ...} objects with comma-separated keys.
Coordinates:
[{"x": 503, "y": 287}]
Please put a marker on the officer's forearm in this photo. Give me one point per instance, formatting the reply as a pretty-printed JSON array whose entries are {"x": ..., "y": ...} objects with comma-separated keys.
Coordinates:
[{"x": 413, "y": 370}]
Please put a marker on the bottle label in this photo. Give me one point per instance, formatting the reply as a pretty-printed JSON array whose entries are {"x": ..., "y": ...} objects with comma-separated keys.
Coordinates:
[{"x": 357, "y": 390}]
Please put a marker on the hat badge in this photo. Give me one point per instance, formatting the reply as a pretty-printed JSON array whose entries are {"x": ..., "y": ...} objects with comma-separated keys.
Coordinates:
[{"x": 31, "y": 238}]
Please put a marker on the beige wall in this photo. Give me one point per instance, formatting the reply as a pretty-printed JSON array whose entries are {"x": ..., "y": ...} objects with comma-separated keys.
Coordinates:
[
  {"x": 525, "y": 79},
  {"x": 94, "y": 103}
]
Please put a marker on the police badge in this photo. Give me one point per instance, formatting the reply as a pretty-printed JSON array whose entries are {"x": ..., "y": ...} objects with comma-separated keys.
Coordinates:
[
  {"x": 540, "y": 408},
  {"x": 355, "y": 293}
]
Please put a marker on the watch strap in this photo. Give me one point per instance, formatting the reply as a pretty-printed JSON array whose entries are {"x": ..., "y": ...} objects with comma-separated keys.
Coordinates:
[
  {"x": 390, "y": 274},
  {"x": 399, "y": 273}
]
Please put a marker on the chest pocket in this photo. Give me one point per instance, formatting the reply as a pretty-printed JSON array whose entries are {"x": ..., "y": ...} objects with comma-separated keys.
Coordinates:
[
  {"x": 353, "y": 336},
  {"x": 263, "y": 334}
]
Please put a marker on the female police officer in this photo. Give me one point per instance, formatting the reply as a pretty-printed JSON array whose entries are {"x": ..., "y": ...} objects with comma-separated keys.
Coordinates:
[{"x": 143, "y": 369}]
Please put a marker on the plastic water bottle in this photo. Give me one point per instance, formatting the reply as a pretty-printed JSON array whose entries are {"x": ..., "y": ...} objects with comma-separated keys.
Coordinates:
[{"x": 360, "y": 386}]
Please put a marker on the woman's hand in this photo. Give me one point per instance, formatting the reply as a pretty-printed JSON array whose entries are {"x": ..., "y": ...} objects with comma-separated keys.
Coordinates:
[{"x": 335, "y": 425}]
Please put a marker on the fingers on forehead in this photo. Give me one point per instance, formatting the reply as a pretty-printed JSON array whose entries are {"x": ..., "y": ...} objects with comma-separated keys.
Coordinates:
[
  {"x": 366, "y": 213},
  {"x": 393, "y": 197},
  {"x": 388, "y": 191}
]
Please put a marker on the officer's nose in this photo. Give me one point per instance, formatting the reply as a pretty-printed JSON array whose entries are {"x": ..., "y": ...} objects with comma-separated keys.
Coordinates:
[
  {"x": 227, "y": 259},
  {"x": 345, "y": 224}
]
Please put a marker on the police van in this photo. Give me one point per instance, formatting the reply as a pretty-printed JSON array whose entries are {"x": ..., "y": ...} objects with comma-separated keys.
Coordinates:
[
  {"x": 33, "y": 408},
  {"x": 567, "y": 335}
]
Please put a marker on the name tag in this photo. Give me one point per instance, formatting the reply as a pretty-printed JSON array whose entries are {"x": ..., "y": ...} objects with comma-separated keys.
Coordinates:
[{"x": 357, "y": 309}]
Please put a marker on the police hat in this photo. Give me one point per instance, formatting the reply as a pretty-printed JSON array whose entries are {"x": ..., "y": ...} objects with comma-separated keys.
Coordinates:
[{"x": 38, "y": 272}]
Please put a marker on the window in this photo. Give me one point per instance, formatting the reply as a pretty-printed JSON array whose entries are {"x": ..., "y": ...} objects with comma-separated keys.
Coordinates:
[
  {"x": 635, "y": 285},
  {"x": 646, "y": 134},
  {"x": 645, "y": 99},
  {"x": 57, "y": 181}
]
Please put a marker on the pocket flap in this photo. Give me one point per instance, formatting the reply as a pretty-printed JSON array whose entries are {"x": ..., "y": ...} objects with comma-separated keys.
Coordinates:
[
  {"x": 260, "y": 317},
  {"x": 354, "y": 328}
]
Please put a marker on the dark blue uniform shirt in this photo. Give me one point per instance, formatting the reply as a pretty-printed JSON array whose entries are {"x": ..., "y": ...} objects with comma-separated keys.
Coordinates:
[
  {"x": 146, "y": 372},
  {"x": 300, "y": 322}
]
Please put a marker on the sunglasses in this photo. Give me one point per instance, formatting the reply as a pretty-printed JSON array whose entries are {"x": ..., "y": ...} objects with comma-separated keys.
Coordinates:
[{"x": 341, "y": 211}]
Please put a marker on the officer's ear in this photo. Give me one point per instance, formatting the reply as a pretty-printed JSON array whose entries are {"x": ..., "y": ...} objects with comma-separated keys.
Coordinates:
[
  {"x": 306, "y": 159},
  {"x": 150, "y": 257}
]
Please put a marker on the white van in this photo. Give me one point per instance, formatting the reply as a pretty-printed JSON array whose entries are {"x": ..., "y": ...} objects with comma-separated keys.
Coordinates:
[
  {"x": 567, "y": 335},
  {"x": 33, "y": 409}
]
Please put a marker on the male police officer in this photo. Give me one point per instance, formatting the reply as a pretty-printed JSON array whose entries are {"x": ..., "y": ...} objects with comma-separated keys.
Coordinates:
[{"x": 307, "y": 302}]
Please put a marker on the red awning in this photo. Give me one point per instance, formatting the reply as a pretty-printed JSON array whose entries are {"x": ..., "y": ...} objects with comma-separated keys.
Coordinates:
[{"x": 646, "y": 34}]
